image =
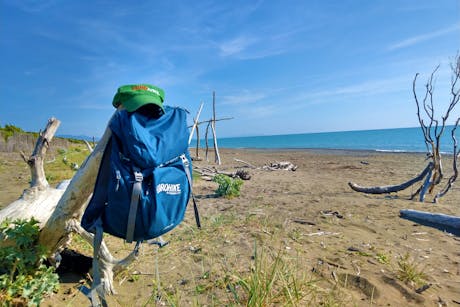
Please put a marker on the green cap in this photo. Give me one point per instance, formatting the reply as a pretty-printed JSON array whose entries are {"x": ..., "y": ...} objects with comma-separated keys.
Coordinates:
[{"x": 134, "y": 96}]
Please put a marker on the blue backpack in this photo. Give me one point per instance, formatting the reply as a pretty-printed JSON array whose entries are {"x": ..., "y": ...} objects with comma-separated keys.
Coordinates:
[
  {"x": 144, "y": 181},
  {"x": 143, "y": 184}
]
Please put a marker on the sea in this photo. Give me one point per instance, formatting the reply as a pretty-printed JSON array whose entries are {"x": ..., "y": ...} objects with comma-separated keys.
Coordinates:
[{"x": 384, "y": 140}]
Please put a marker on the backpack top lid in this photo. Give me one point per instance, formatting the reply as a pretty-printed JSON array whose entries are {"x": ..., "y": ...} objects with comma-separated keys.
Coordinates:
[
  {"x": 134, "y": 96},
  {"x": 150, "y": 142}
]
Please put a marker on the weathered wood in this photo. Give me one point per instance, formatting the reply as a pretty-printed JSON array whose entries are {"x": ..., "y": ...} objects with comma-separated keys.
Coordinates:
[
  {"x": 75, "y": 198},
  {"x": 282, "y": 165},
  {"x": 206, "y": 140},
  {"x": 454, "y": 176},
  {"x": 209, "y": 173},
  {"x": 36, "y": 160},
  {"x": 35, "y": 203},
  {"x": 195, "y": 124},
  {"x": 440, "y": 221},
  {"x": 213, "y": 127},
  {"x": 391, "y": 188},
  {"x": 210, "y": 120},
  {"x": 109, "y": 266},
  {"x": 197, "y": 149},
  {"x": 59, "y": 210},
  {"x": 38, "y": 200},
  {"x": 245, "y": 163},
  {"x": 432, "y": 128},
  {"x": 273, "y": 166},
  {"x": 88, "y": 145}
]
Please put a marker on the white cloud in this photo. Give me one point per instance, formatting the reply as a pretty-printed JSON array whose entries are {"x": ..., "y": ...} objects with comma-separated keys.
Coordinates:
[
  {"x": 235, "y": 45},
  {"x": 245, "y": 97},
  {"x": 424, "y": 37}
]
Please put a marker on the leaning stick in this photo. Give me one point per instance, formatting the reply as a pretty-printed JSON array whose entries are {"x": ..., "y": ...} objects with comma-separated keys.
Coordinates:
[
  {"x": 213, "y": 127},
  {"x": 195, "y": 123}
]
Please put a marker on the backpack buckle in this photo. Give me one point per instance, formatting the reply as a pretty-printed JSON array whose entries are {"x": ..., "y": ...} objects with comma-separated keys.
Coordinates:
[
  {"x": 138, "y": 176},
  {"x": 185, "y": 160}
]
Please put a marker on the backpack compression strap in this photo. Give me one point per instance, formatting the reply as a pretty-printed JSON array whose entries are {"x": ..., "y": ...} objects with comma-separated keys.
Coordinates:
[
  {"x": 135, "y": 197},
  {"x": 190, "y": 182},
  {"x": 97, "y": 295}
]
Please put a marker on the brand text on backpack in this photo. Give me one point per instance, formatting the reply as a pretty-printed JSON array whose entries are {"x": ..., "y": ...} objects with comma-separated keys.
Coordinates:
[{"x": 168, "y": 188}]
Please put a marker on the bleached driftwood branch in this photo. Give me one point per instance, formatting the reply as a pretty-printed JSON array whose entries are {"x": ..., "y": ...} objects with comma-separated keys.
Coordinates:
[
  {"x": 213, "y": 129},
  {"x": 195, "y": 123},
  {"x": 35, "y": 161},
  {"x": 282, "y": 165},
  {"x": 208, "y": 173},
  {"x": 38, "y": 200},
  {"x": 272, "y": 166},
  {"x": 59, "y": 210}
]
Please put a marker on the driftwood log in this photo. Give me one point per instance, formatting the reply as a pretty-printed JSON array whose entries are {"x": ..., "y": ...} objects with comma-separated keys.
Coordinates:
[
  {"x": 208, "y": 173},
  {"x": 59, "y": 210},
  {"x": 392, "y": 188},
  {"x": 272, "y": 166},
  {"x": 439, "y": 221}
]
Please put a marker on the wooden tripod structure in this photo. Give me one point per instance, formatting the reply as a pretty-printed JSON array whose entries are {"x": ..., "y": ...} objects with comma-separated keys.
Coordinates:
[{"x": 211, "y": 123}]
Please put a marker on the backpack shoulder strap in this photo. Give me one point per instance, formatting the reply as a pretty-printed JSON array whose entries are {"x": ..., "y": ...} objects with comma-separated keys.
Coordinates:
[{"x": 186, "y": 164}]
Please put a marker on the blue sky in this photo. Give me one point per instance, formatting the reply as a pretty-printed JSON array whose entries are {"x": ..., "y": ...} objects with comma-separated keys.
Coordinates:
[{"x": 277, "y": 67}]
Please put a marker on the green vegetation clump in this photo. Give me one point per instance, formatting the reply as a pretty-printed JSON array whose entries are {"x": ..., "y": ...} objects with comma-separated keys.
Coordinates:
[
  {"x": 24, "y": 279},
  {"x": 228, "y": 187},
  {"x": 9, "y": 130},
  {"x": 409, "y": 271}
]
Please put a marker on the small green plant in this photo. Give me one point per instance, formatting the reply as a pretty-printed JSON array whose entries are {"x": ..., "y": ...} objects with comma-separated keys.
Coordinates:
[
  {"x": 409, "y": 272},
  {"x": 275, "y": 279},
  {"x": 23, "y": 276},
  {"x": 228, "y": 187},
  {"x": 383, "y": 258}
]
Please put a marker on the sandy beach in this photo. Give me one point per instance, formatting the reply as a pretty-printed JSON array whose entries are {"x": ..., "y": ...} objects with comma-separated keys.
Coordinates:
[{"x": 349, "y": 244}]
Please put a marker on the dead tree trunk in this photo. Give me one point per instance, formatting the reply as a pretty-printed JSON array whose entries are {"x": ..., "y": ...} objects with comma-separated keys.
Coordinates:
[
  {"x": 59, "y": 211},
  {"x": 38, "y": 200},
  {"x": 432, "y": 130},
  {"x": 35, "y": 161}
]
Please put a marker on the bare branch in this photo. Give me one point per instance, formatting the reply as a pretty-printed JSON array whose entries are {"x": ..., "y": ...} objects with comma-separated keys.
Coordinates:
[
  {"x": 88, "y": 145},
  {"x": 420, "y": 119},
  {"x": 452, "y": 178},
  {"x": 36, "y": 160}
]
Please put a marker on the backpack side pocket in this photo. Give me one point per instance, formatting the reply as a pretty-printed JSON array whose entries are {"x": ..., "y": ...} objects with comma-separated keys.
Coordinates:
[{"x": 164, "y": 207}]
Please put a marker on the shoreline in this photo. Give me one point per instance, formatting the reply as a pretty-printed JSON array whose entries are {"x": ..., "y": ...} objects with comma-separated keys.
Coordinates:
[{"x": 327, "y": 151}]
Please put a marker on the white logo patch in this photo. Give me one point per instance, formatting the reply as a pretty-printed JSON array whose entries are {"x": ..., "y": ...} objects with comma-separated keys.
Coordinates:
[
  {"x": 152, "y": 90},
  {"x": 169, "y": 188}
]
